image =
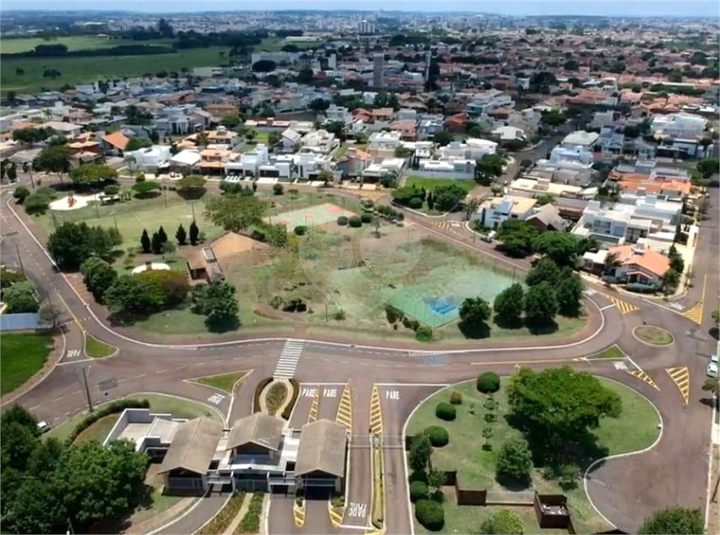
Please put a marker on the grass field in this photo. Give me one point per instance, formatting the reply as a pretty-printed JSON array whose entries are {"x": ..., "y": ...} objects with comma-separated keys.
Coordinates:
[
  {"x": 23, "y": 355},
  {"x": 98, "y": 430},
  {"x": 76, "y": 42},
  {"x": 635, "y": 429},
  {"x": 654, "y": 335},
  {"x": 96, "y": 349},
  {"x": 89, "y": 69},
  {"x": 432, "y": 183},
  {"x": 138, "y": 214},
  {"x": 224, "y": 382},
  {"x": 275, "y": 44}
]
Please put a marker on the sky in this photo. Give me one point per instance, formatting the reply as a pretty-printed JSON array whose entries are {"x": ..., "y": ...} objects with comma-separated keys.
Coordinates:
[{"x": 615, "y": 8}]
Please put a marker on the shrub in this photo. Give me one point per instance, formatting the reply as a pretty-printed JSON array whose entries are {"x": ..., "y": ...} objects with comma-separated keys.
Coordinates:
[
  {"x": 456, "y": 397},
  {"x": 504, "y": 522},
  {"x": 418, "y": 491},
  {"x": 366, "y": 218},
  {"x": 355, "y": 221},
  {"x": 301, "y": 230},
  {"x": 488, "y": 383},
  {"x": 514, "y": 460},
  {"x": 287, "y": 411},
  {"x": 568, "y": 476},
  {"x": 438, "y": 436},
  {"x": 342, "y": 220},
  {"x": 415, "y": 203},
  {"x": 423, "y": 334},
  {"x": 445, "y": 411},
  {"x": 251, "y": 522},
  {"x": 258, "y": 390},
  {"x": 430, "y": 514},
  {"x": 20, "y": 194},
  {"x": 393, "y": 314},
  {"x": 278, "y": 189}
]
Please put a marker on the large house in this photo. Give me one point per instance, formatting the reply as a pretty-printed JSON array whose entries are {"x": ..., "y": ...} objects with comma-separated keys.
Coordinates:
[
  {"x": 635, "y": 266},
  {"x": 495, "y": 211},
  {"x": 258, "y": 453}
]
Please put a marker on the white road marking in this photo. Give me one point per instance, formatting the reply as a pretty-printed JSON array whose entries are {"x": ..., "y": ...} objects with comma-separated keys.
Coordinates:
[{"x": 289, "y": 358}]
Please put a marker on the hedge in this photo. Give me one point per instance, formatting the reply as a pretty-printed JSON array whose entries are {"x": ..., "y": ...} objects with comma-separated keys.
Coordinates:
[
  {"x": 224, "y": 517},
  {"x": 301, "y": 230},
  {"x": 504, "y": 522},
  {"x": 258, "y": 390},
  {"x": 430, "y": 514},
  {"x": 488, "y": 383},
  {"x": 104, "y": 410},
  {"x": 438, "y": 436},
  {"x": 445, "y": 411},
  {"x": 355, "y": 222},
  {"x": 418, "y": 491},
  {"x": 287, "y": 411},
  {"x": 415, "y": 203},
  {"x": 342, "y": 220},
  {"x": 251, "y": 522},
  {"x": 366, "y": 218}
]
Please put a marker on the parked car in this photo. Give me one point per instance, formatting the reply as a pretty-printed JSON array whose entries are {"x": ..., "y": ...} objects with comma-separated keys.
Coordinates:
[
  {"x": 712, "y": 369},
  {"x": 44, "y": 427},
  {"x": 489, "y": 237}
]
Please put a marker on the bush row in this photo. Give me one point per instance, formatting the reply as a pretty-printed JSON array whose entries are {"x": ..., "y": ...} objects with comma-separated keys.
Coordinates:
[
  {"x": 293, "y": 399},
  {"x": 251, "y": 522},
  {"x": 258, "y": 390},
  {"x": 105, "y": 410},
  {"x": 221, "y": 521}
]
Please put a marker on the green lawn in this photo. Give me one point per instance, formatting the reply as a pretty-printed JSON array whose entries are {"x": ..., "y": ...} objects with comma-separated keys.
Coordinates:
[
  {"x": 98, "y": 430},
  {"x": 138, "y": 214},
  {"x": 432, "y": 183},
  {"x": 654, "y": 335},
  {"x": 96, "y": 349},
  {"x": 635, "y": 429},
  {"x": 23, "y": 355},
  {"x": 224, "y": 382},
  {"x": 468, "y": 518},
  {"x": 77, "y": 70},
  {"x": 275, "y": 44},
  {"x": 275, "y": 397},
  {"x": 611, "y": 353}
]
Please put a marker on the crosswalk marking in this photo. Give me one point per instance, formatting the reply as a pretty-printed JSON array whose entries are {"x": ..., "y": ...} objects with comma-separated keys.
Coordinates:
[
  {"x": 681, "y": 378},
  {"x": 376, "y": 422},
  {"x": 216, "y": 399},
  {"x": 623, "y": 307},
  {"x": 344, "y": 413},
  {"x": 645, "y": 378},
  {"x": 291, "y": 353}
]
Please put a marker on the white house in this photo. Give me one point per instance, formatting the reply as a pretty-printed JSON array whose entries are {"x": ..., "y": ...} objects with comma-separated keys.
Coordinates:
[
  {"x": 150, "y": 159},
  {"x": 678, "y": 125},
  {"x": 471, "y": 149},
  {"x": 319, "y": 141},
  {"x": 290, "y": 139},
  {"x": 495, "y": 211},
  {"x": 580, "y": 140},
  {"x": 509, "y": 133}
]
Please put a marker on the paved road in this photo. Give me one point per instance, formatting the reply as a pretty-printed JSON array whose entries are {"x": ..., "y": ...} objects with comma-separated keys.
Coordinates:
[{"x": 624, "y": 490}]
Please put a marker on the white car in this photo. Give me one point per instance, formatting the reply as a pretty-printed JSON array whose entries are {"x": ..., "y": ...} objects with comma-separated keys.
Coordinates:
[
  {"x": 44, "y": 427},
  {"x": 712, "y": 369},
  {"x": 489, "y": 237}
]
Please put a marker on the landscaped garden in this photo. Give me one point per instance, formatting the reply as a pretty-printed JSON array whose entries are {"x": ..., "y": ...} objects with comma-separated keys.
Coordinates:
[
  {"x": 491, "y": 434},
  {"x": 653, "y": 335},
  {"x": 23, "y": 355}
]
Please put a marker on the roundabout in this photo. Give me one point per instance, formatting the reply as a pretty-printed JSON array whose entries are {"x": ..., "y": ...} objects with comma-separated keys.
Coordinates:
[{"x": 654, "y": 336}]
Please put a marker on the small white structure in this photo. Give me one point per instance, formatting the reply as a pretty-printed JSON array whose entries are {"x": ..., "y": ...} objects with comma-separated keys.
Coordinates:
[
  {"x": 150, "y": 266},
  {"x": 494, "y": 212}
]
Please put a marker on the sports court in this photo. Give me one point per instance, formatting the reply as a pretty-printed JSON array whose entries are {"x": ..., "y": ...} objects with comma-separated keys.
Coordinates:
[{"x": 312, "y": 215}]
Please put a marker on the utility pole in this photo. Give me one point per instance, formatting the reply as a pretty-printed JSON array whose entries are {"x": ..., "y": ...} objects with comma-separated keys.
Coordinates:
[
  {"x": 87, "y": 389},
  {"x": 192, "y": 205},
  {"x": 19, "y": 258},
  {"x": 116, "y": 225}
]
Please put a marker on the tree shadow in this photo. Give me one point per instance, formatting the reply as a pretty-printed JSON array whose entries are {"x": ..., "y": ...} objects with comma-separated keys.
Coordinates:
[
  {"x": 219, "y": 327},
  {"x": 474, "y": 331},
  {"x": 504, "y": 323},
  {"x": 715, "y": 332},
  {"x": 541, "y": 328},
  {"x": 511, "y": 483}
]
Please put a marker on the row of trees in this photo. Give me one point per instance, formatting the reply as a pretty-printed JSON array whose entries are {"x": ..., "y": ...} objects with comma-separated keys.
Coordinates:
[
  {"x": 73, "y": 243},
  {"x": 52, "y": 487},
  {"x": 444, "y": 198}
]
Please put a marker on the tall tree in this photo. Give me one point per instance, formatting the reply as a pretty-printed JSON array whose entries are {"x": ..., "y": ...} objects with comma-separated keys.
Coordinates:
[
  {"x": 98, "y": 276},
  {"x": 73, "y": 243},
  {"x": 181, "y": 235},
  {"x": 54, "y": 159},
  {"x": 561, "y": 247},
  {"x": 235, "y": 213},
  {"x": 156, "y": 243},
  {"x": 474, "y": 311},
  {"x": 540, "y": 304},
  {"x": 569, "y": 291},
  {"x": 419, "y": 454},
  {"x": 50, "y": 313},
  {"x": 145, "y": 242},
  {"x": 558, "y": 406},
  {"x": 545, "y": 270},
  {"x": 194, "y": 233},
  {"x": 509, "y": 305}
]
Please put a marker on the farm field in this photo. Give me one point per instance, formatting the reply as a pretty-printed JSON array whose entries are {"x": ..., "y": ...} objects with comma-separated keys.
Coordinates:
[
  {"x": 636, "y": 428},
  {"x": 89, "y": 69},
  {"x": 76, "y": 42}
]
